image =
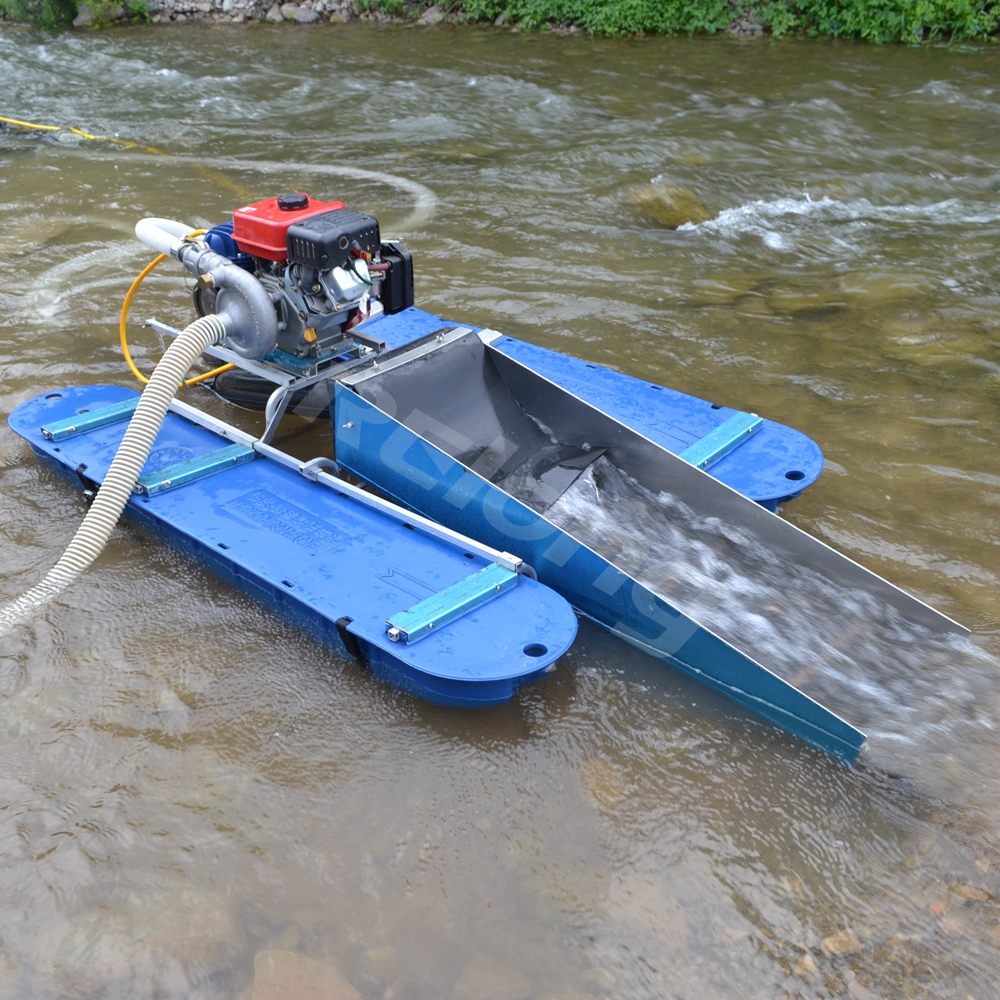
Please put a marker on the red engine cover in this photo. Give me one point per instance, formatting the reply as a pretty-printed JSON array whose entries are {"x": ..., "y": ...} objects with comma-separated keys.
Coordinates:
[{"x": 261, "y": 228}]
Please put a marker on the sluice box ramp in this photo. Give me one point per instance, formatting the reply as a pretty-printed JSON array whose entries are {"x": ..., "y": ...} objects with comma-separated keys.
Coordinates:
[{"x": 636, "y": 538}]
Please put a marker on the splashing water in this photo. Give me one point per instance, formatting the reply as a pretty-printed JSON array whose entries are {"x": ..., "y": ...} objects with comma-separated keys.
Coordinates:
[{"x": 904, "y": 685}]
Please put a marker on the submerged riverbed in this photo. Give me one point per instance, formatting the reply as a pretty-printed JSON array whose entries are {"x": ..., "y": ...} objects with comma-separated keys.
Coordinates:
[{"x": 189, "y": 782}]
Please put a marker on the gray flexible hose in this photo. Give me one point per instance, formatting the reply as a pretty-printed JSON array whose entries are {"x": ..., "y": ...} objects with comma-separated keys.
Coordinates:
[{"x": 94, "y": 532}]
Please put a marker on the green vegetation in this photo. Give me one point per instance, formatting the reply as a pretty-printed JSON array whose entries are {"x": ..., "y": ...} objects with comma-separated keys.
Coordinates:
[
  {"x": 40, "y": 13},
  {"x": 392, "y": 7},
  {"x": 877, "y": 21},
  {"x": 48, "y": 14},
  {"x": 138, "y": 10},
  {"x": 874, "y": 20}
]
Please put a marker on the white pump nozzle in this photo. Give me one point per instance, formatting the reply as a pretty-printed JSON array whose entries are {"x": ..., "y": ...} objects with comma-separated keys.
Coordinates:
[{"x": 163, "y": 235}]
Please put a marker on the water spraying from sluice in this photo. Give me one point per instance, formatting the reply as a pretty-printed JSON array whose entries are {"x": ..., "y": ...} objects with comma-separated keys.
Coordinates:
[{"x": 853, "y": 653}]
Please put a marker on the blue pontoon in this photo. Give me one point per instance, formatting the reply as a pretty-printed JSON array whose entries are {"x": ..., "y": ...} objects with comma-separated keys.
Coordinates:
[{"x": 340, "y": 559}]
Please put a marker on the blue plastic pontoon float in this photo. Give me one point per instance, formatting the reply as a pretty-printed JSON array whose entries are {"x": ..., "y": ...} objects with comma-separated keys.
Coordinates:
[{"x": 431, "y": 611}]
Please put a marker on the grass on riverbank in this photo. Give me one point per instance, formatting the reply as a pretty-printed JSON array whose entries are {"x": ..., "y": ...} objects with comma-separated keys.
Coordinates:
[
  {"x": 878, "y": 21},
  {"x": 40, "y": 13},
  {"x": 49, "y": 14}
]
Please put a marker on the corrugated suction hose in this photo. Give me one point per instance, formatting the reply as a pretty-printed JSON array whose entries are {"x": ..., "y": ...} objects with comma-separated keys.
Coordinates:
[{"x": 93, "y": 534}]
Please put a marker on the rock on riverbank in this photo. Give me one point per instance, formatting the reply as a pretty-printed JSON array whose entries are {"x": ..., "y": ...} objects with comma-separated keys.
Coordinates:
[
  {"x": 235, "y": 12},
  {"x": 238, "y": 11},
  {"x": 270, "y": 12}
]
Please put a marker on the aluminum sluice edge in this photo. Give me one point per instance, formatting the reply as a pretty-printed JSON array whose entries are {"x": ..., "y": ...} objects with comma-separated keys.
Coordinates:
[{"x": 708, "y": 495}]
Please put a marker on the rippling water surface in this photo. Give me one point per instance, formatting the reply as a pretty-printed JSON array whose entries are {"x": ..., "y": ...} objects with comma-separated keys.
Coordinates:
[{"x": 188, "y": 781}]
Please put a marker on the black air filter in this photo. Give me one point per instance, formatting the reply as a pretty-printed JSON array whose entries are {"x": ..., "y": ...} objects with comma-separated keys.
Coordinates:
[{"x": 324, "y": 241}]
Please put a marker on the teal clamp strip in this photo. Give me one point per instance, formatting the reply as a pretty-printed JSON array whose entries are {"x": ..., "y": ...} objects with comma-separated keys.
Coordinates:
[
  {"x": 182, "y": 473},
  {"x": 84, "y": 422},
  {"x": 720, "y": 442},
  {"x": 451, "y": 603}
]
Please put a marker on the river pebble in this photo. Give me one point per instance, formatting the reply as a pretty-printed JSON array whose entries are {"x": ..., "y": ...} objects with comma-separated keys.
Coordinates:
[
  {"x": 968, "y": 892},
  {"x": 381, "y": 965},
  {"x": 484, "y": 979},
  {"x": 856, "y": 990},
  {"x": 806, "y": 966},
  {"x": 845, "y": 942},
  {"x": 404, "y": 989},
  {"x": 287, "y": 975}
]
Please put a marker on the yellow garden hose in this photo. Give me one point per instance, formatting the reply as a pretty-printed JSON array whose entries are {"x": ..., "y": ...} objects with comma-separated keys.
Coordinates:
[
  {"x": 124, "y": 317},
  {"x": 43, "y": 128},
  {"x": 85, "y": 135}
]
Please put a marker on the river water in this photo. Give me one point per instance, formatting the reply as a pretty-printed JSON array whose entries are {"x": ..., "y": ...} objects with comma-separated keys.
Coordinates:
[{"x": 188, "y": 781}]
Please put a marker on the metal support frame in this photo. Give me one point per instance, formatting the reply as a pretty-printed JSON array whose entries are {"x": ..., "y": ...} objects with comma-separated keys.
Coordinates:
[
  {"x": 286, "y": 383},
  {"x": 277, "y": 403},
  {"x": 224, "y": 354},
  {"x": 277, "y": 375}
]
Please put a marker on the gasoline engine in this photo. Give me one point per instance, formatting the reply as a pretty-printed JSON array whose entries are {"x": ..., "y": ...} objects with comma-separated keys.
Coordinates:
[{"x": 324, "y": 267}]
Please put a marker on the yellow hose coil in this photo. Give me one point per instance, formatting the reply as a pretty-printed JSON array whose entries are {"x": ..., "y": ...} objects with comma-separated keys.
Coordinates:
[{"x": 124, "y": 317}]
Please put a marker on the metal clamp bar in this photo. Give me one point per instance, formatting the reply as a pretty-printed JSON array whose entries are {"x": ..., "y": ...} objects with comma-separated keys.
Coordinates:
[
  {"x": 451, "y": 603},
  {"x": 380, "y": 367},
  {"x": 722, "y": 440},
  {"x": 182, "y": 473},
  {"x": 81, "y": 423}
]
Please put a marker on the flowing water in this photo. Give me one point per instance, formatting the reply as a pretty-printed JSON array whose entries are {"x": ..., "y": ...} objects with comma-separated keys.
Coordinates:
[
  {"x": 917, "y": 694},
  {"x": 189, "y": 781}
]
